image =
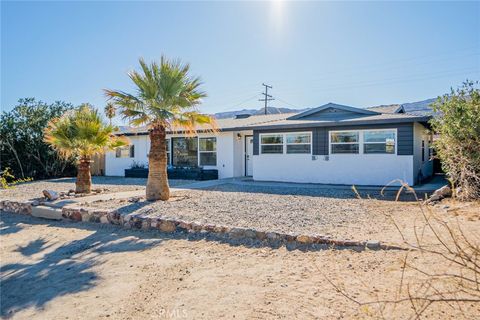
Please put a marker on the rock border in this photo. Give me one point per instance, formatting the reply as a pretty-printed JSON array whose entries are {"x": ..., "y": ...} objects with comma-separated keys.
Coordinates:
[{"x": 220, "y": 232}]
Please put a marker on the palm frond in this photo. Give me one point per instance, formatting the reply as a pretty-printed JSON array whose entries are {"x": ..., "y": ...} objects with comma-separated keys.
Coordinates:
[
  {"x": 81, "y": 133},
  {"x": 166, "y": 95},
  {"x": 192, "y": 122}
]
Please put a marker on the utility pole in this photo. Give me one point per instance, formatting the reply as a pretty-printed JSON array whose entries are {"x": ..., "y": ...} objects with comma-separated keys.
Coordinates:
[{"x": 268, "y": 97}]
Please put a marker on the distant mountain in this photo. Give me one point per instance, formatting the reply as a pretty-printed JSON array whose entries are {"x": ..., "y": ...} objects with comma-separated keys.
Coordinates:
[
  {"x": 420, "y": 108},
  {"x": 270, "y": 110}
]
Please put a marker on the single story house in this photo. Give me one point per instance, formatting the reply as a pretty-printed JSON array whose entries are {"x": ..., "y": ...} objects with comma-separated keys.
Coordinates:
[{"x": 332, "y": 144}]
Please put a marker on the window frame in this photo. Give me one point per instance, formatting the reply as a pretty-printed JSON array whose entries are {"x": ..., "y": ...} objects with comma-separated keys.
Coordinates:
[
  {"x": 284, "y": 143},
  {"x": 309, "y": 133},
  {"x": 260, "y": 144},
  {"x": 128, "y": 148},
  {"x": 200, "y": 152},
  {"x": 361, "y": 142},
  {"x": 330, "y": 143},
  {"x": 396, "y": 141}
]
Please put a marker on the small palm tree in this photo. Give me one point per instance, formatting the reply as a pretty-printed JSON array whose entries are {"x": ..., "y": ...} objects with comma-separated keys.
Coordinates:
[
  {"x": 166, "y": 98},
  {"x": 110, "y": 111},
  {"x": 81, "y": 133}
]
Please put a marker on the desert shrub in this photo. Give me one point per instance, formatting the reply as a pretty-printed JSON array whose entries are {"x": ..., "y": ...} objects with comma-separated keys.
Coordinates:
[
  {"x": 8, "y": 180},
  {"x": 458, "y": 145},
  {"x": 423, "y": 290}
]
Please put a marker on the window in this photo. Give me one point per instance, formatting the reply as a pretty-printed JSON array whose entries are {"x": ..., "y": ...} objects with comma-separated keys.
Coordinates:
[
  {"x": 125, "y": 152},
  {"x": 271, "y": 143},
  {"x": 299, "y": 142},
  {"x": 208, "y": 151},
  {"x": 185, "y": 152},
  {"x": 379, "y": 141},
  {"x": 344, "y": 142},
  {"x": 167, "y": 142},
  {"x": 291, "y": 143}
]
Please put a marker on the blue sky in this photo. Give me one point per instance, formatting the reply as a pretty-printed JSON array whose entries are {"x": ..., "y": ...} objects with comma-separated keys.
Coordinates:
[{"x": 354, "y": 53}]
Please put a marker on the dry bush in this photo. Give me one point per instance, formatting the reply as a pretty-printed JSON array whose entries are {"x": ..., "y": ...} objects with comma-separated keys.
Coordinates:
[
  {"x": 452, "y": 284},
  {"x": 457, "y": 124}
]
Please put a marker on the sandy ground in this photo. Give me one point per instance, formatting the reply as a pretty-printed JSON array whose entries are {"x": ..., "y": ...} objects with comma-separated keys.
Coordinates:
[
  {"x": 32, "y": 190},
  {"x": 62, "y": 270}
]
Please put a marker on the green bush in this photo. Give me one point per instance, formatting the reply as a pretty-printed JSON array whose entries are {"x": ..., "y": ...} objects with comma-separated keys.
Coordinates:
[
  {"x": 21, "y": 140},
  {"x": 8, "y": 180},
  {"x": 458, "y": 145}
]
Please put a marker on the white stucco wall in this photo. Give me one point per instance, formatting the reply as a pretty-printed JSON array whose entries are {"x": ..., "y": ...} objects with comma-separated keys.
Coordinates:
[
  {"x": 116, "y": 166},
  {"x": 420, "y": 133},
  {"x": 225, "y": 155},
  {"x": 360, "y": 169}
]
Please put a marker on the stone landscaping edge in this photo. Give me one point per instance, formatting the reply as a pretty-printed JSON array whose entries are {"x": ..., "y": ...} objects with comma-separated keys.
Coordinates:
[{"x": 169, "y": 225}]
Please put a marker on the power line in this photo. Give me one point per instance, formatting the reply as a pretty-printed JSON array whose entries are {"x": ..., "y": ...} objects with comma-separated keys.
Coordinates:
[
  {"x": 246, "y": 100},
  {"x": 413, "y": 77},
  {"x": 288, "y": 103},
  {"x": 267, "y": 97}
]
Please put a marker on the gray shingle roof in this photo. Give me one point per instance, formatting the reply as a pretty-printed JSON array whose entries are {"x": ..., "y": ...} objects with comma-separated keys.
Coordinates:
[
  {"x": 228, "y": 124},
  {"x": 380, "y": 114},
  {"x": 368, "y": 119},
  {"x": 392, "y": 108}
]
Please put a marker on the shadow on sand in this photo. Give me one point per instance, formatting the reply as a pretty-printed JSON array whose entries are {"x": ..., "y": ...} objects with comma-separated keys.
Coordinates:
[{"x": 64, "y": 269}]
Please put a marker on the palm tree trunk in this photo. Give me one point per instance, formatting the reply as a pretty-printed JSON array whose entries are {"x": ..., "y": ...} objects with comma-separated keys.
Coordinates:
[
  {"x": 157, "y": 184},
  {"x": 84, "y": 178}
]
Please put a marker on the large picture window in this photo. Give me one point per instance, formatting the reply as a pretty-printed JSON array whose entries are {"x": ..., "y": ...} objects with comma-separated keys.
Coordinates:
[
  {"x": 299, "y": 142},
  {"x": 185, "y": 152},
  {"x": 379, "y": 141},
  {"x": 344, "y": 142},
  {"x": 208, "y": 151},
  {"x": 271, "y": 143}
]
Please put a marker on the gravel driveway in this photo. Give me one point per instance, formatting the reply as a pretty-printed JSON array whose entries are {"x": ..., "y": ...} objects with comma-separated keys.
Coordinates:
[{"x": 337, "y": 213}]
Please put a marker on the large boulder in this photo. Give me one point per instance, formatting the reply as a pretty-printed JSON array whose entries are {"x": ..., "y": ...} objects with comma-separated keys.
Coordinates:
[{"x": 439, "y": 194}]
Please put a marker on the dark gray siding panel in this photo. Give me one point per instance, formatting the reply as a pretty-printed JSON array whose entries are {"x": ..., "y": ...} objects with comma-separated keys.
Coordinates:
[
  {"x": 320, "y": 136},
  {"x": 405, "y": 139},
  {"x": 320, "y": 141},
  {"x": 255, "y": 143},
  {"x": 333, "y": 115}
]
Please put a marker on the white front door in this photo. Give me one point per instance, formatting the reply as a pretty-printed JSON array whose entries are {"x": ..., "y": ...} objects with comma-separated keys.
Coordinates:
[{"x": 249, "y": 156}]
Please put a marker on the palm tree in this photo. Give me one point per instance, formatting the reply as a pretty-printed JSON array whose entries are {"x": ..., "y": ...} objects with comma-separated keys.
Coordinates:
[
  {"x": 110, "y": 111},
  {"x": 81, "y": 133},
  {"x": 166, "y": 99}
]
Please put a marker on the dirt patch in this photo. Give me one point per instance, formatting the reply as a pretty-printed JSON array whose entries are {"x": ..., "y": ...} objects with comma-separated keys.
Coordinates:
[{"x": 53, "y": 270}]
